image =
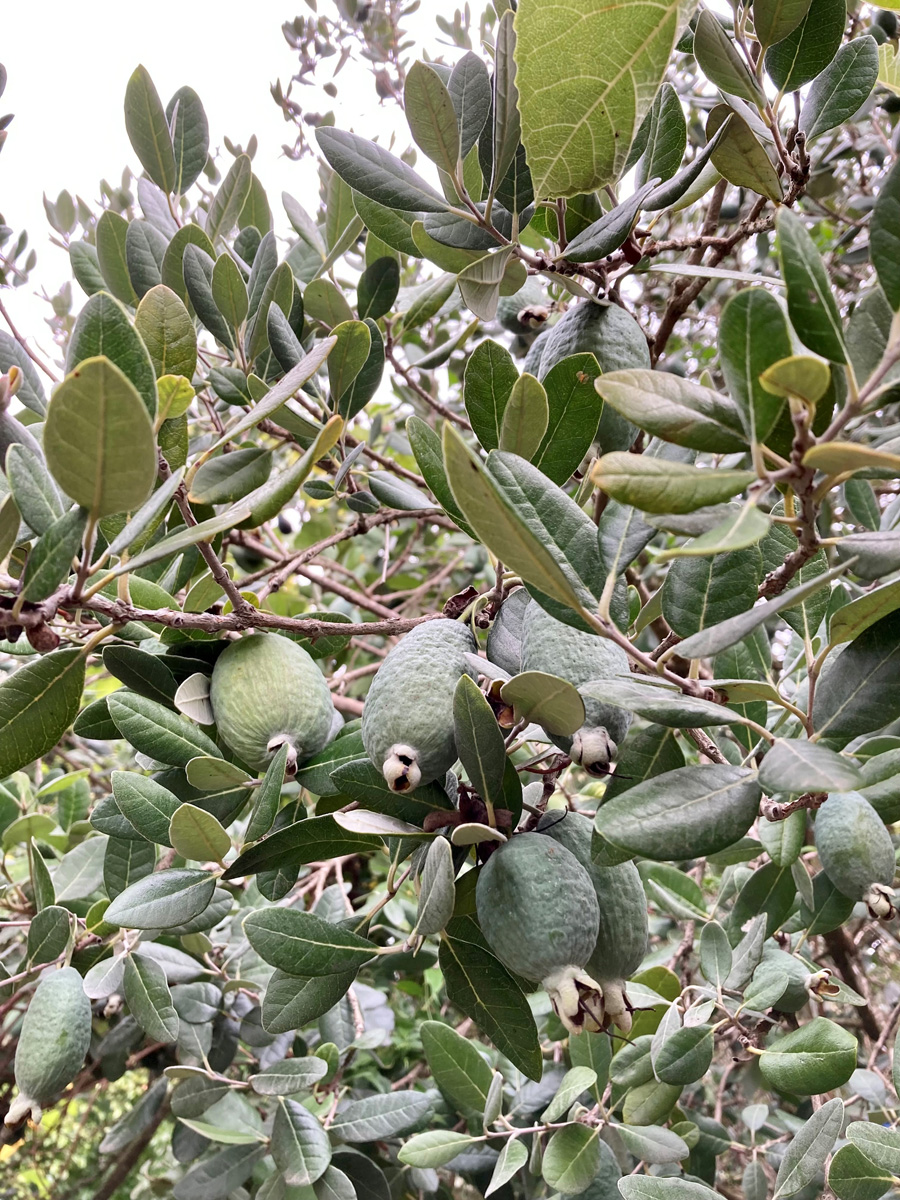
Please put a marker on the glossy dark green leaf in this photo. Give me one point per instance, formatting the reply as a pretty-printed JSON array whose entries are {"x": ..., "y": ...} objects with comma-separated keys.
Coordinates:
[
  {"x": 125, "y": 862},
  {"x": 722, "y": 62},
  {"x": 371, "y": 170},
  {"x": 48, "y": 935},
  {"x": 853, "y": 1176},
  {"x": 377, "y": 288},
  {"x": 859, "y": 690},
  {"x": 303, "y": 944},
  {"x": 675, "y": 409},
  {"x": 311, "y": 840},
  {"x": 811, "y": 304},
  {"x": 815, "y": 1058},
  {"x": 290, "y": 1002},
  {"x": 216, "y": 1177},
  {"x": 190, "y": 137},
  {"x": 803, "y": 54},
  {"x": 799, "y": 766},
  {"x": 809, "y": 1149},
  {"x": 110, "y": 240},
  {"x": 841, "y": 89},
  {"x": 199, "y": 272},
  {"x": 145, "y": 249},
  {"x": 50, "y": 558},
  {"x": 662, "y": 486},
  {"x": 157, "y": 731},
  {"x": 481, "y": 987},
  {"x": 470, "y": 91},
  {"x": 225, "y": 206},
  {"x": 682, "y": 813},
  {"x": 38, "y": 702},
  {"x": 376, "y": 1118}
]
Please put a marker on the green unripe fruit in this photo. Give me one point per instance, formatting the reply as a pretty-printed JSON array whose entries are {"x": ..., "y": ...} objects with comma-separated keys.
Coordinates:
[
  {"x": 267, "y": 691},
  {"x": 557, "y": 649},
  {"x": 504, "y": 640},
  {"x": 856, "y": 851},
  {"x": 526, "y": 311},
  {"x": 407, "y": 722},
  {"x": 887, "y": 21},
  {"x": 538, "y": 911},
  {"x": 55, "y": 1036},
  {"x": 532, "y": 363},
  {"x": 622, "y": 931}
]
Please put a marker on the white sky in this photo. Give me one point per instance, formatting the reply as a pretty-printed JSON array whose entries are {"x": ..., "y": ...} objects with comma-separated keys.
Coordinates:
[{"x": 68, "y": 66}]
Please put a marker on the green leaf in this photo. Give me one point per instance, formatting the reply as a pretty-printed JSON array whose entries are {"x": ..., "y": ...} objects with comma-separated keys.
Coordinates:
[
  {"x": 809, "y": 1149},
  {"x": 50, "y": 559},
  {"x": 675, "y": 409},
  {"x": 229, "y": 290},
  {"x": 34, "y": 492},
  {"x": 48, "y": 935},
  {"x": 363, "y": 782},
  {"x": 506, "y": 106},
  {"x": 773, "y": 20},
  {"x": 148, "y": 130},
  {"x": 662, "y": 486},
  {"x": 740, "y": 156},
  {"x": 126, "y": 860},
  {"x": 685, "y": 1056},
  {"x": 512, "y": 1158},
  {"x": 525, "y": 418},
  {"x": 811, "y": 304},
  {"x": 470, "y": 91},
  {"x": 573, "y": 416},
  {"x": 754, "y": 334},
  {"x": 225, "y": 206},
  {"x": 545, "y": 699},
  {"x": 489, "y": 380},
  {"x": 353, "y": 342},
  {"x": 721, "y": 61},
  {"x": 299, "y": 1144},
  {"x": 573, "y": 1083},
  {"x": 149, "y": 999},
  {"x": 289, "y": 1076},
  {"x": 572, "y": 1158},
  {"x": 611, "y": 230},
  {"x": 9, "y": 525},
  {"x": 884, "y": 238},
  {"x": 230, "y": 477},
  {"x": 683, "y": 813},
  {"x": 479, "y": 741},
  {"x": 291, "y": 1002},
  {"x": 666, "y": 137},
  {"x": 104, "y": 328},
  {"x": 583, "y": 98},
  {"x": 99, "y": 441},
  {"x": 303, "y": 944},
  {"x": 437, "y": 897},
  {"x": 700, "y": 592},
  {"x": 190, "y": 137},
  {"x": 661, "y": 705},
  {"x": 196, "y": 834},
  {"x": 377, "y": 1118},
  {"x": 715, "y": 954},
  {"x": 810, "y": 48},
  {"x": 744, "y": 528},
  {"x": 158, "y": 732},
  {"x": 799, "y": 766},
  {"x": 145, "y": 249},
  {"x": 815, "y": 1058},
  {"x": 457, "y": 1067},
  {"x": 377, "y": 288},
  {"x": 799, "y": 375},
  {"x": 860, "y": 691},
  {"x": 136, "y": 1120},
  {"x": 145, "y": 804},
  {"x": 880, "y": 1146},
  {"x": 371, "y": 170},
  {"x": 162, "y": 899},
  {"x": 311, "y": 840},
  {"x": 38, "y": 703},
  {"x": 216, "y": 1177},
  {"x": 80, "y": 873},
  {"x": 479, "y": 282},
  {"x": 499, "y": 525},
  {"x": 481, "y": 988},
  {"x": 852, "y": 1176},
  {"x": 426, "y": 446},
  {"x": 431, "y": 116},
  {"x": 111, "y": 240},
  {"x": 168, "y": 332},
  {"x": 841, "y": 89},
  {"x": 434, "y": 1148},
  {"x": 653, "y": 1144},
  {"x": 728, "y": 633},
  {"x": 875, "y": 553},
  {"x": 277, "y": 293},
  {"x": 664, "y": 1187},
  {"x": 267, "y": 797}
]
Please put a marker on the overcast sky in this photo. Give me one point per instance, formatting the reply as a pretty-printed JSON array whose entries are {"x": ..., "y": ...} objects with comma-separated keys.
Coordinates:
[{"x": 68, "y": 66}]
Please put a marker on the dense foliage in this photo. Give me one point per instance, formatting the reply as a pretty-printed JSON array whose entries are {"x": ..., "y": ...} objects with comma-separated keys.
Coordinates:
[{"x": 450, "y": 708}]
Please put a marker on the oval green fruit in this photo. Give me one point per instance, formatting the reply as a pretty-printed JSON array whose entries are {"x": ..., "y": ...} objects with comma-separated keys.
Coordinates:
[
  {"x": 267, "y": 691},
  {"x": 55, "y": 1036},
  {"x": 538, "y": 911},
  {"x": 856, "y": 851},
  {"x": 557, "y": 649},
  {"x": 407, "y": 721},
  {"x": 622, "y": 931}
]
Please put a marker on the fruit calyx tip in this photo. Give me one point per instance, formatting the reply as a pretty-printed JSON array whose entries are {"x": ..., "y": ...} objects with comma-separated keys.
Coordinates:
[{"x": 401, "y": 768}]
